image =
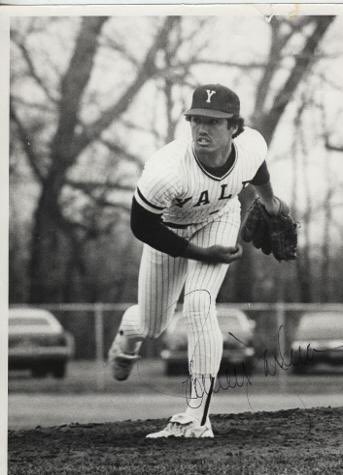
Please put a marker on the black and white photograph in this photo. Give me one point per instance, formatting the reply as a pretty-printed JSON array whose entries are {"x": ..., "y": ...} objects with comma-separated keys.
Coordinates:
[{"x": 175, "y": 256}]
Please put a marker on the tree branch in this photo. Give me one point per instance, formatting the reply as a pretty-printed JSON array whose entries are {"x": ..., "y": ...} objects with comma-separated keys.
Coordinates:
[
  {"x": 303, "y": 61},
  {"x": 230, "y": 64},
  {"x": 112, "y": 44},
  {"x": 333, "y": 148},
  {"x": 89, "y": 186},
  {"x": 272, "y": 65},
  {"x": 73, "y": 85},
  {"x": 140, "y": 128},
  {"x": 27, "y": 143},
  {"x": 147, "y": 71},
  {"x": 119, "y": 150},
  {"x": 32, "y": 68},
  {"x": 41, "y": 107}
]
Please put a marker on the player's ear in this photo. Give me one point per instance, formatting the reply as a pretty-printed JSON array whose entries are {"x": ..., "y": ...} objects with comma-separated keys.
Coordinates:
[{"x": 232, "y": 127}]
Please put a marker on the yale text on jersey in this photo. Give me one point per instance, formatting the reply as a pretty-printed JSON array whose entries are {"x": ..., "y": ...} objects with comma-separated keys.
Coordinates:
[{"x": 204, "y": 198}]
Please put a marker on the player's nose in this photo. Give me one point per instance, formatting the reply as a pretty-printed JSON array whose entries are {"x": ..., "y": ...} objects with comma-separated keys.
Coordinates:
[{"x": 203, "y": 128}]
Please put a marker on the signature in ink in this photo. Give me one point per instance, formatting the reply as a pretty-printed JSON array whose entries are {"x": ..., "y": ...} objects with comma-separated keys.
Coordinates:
[
  {"x": 273, "y": 361},
  {"x": 279, "y": 359},
  {"x": 195, "y": 388}
]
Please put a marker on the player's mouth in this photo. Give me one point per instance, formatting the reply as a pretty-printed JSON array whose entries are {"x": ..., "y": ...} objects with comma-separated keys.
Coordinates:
[{"x": 203, "y": 141}]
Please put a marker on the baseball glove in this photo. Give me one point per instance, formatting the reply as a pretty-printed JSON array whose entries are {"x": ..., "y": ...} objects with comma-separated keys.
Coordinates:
[{"x": 275, "y": 235}]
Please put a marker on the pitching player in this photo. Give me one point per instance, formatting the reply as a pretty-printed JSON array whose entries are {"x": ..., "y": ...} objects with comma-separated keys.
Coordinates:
[{"x": 186, "y": 211}]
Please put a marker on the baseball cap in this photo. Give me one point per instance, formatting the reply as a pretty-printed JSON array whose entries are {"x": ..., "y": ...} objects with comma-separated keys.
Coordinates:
[{"x": 214, "y": 100}]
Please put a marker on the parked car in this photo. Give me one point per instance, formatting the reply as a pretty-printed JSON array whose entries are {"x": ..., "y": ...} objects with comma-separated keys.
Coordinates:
[
  {"x": 318, "y": 339},
  {"x": 37, "y": 341},
  {"x": 238, "y": 355}
]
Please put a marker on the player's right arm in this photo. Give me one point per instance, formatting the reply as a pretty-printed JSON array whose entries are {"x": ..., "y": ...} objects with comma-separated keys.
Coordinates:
[
  {"x": 149, "y": 228},
  {"x": 159, "y": 184},
  {"x": 214, "y": 254}
]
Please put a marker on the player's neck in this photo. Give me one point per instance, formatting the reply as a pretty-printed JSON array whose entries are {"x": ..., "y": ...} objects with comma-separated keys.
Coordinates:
[{"x": 214, "y": 159}]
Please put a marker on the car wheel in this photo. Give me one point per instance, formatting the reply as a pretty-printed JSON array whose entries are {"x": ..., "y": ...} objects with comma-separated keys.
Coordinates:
[
  {"x": 59, "y": 370},
  {"x": 38, "y": 372},
  {"x": 299, "y": 369}
]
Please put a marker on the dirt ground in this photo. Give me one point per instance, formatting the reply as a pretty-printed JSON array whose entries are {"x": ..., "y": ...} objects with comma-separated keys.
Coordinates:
[{"x": 295, "y": 441}]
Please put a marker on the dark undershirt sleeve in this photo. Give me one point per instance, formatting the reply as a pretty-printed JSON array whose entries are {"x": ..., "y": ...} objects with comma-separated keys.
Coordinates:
[
  {"x": 148, "y": 227},
  {"x": 262, "y": 175}
]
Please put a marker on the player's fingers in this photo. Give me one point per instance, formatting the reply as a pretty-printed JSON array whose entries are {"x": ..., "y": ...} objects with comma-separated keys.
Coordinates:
[
  {"x": 235, "y": 253},
  {"x": 239, "y": 251}
]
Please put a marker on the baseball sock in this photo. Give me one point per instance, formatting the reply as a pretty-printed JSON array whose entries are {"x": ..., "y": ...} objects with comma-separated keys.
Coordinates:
[
  {"x": 129, "y": 337},
  {"x": 129, "y": 345},
  {"x": 199, "y": 395}
]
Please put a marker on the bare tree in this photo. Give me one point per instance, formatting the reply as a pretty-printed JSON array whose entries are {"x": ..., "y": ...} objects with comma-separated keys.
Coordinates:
[
  {"x": 61, "y": 134},
  {"x": 56, "y": 245},
  {"x": 272, "y": 100}
]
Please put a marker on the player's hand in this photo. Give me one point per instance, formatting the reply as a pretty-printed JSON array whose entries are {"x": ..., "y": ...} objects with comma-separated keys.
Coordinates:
[{"x": 223, "y": 254}]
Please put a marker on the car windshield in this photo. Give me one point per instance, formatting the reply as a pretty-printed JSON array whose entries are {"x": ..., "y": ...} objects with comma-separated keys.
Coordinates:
[
  {"x": 23, "y": 321},
  {"x": 320, "y": 326},
  {"x": 230, "y": 322}
]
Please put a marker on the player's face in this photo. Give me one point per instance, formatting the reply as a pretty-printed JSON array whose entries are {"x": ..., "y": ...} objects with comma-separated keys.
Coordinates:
[{"x": 210, "y": 135}]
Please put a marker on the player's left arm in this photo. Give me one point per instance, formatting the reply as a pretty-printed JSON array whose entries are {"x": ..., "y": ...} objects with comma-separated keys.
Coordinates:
[{"x": 262, "y": 184}]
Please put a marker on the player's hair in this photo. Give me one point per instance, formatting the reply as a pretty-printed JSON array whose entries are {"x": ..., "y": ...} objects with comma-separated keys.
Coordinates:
[{"x": 236, "y": 122}]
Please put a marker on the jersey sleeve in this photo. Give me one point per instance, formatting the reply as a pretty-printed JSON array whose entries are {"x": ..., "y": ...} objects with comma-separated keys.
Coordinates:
[
  {"x": 157, "y": 186},
  {"x": 262, "y": 175},
  {"x": 148, "y": 228},
  {"x": 255, "y": 151},
  {"x": 260, "y": 148}
]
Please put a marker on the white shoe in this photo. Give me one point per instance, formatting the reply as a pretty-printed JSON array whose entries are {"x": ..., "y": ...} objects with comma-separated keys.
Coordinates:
[
  {"x": 184, "y": 425},
  {"x": 121, "y": 363}
]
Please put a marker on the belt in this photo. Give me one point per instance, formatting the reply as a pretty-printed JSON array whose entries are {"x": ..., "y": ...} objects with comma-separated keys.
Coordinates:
[
  {"x": 184, "y": 226},
  {"x": 179, "y": 226}
]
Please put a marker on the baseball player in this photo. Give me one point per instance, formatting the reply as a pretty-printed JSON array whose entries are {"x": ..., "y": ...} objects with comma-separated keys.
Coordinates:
[{"x": 186, "y": 211}]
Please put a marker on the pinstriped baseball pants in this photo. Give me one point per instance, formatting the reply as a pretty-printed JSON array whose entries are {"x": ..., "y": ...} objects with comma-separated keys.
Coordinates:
[{"x": 162, "y": 278}]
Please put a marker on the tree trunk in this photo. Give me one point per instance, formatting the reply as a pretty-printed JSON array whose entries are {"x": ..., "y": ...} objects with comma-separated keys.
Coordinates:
[
  {"x": 48, "y": 251},
  {"x": 49, "y": 247}
]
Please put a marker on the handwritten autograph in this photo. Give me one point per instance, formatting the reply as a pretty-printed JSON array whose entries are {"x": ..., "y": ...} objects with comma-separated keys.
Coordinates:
[
  {"x": 195, "y": 389},
  {"x": 273, "y": 362}
]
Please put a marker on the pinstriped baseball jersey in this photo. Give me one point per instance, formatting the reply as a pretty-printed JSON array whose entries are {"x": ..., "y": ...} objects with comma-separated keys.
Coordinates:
[{"x": 176, "y": 185}]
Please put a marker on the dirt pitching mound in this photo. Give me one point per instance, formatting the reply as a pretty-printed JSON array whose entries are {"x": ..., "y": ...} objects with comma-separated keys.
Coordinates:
[{"x": 283, "y": 442}]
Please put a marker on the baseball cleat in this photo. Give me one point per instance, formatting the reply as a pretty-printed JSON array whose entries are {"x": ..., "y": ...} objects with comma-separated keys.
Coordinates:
[
  {"x": 120, "y": 363},
  {"x": 184, "y": 425}
]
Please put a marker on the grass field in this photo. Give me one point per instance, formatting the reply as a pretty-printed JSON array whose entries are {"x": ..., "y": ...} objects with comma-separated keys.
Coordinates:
[{"x": 284, "y": 442}]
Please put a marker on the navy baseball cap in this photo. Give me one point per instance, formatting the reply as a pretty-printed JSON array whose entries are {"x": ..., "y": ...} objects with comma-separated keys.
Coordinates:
[{"x": 214, "y": 100}]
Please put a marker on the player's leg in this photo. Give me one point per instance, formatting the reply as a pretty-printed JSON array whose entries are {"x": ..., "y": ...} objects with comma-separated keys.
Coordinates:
[
  {"x": 161, "y": 279},
  {"x": 160, "y": 282},
  {"x": 205, "y": 339},
  {"x": 124, "y": 352}
]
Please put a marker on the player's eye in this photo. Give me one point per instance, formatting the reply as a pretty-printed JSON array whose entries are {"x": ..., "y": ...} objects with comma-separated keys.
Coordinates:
[{"x": 196, "y": 120}]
